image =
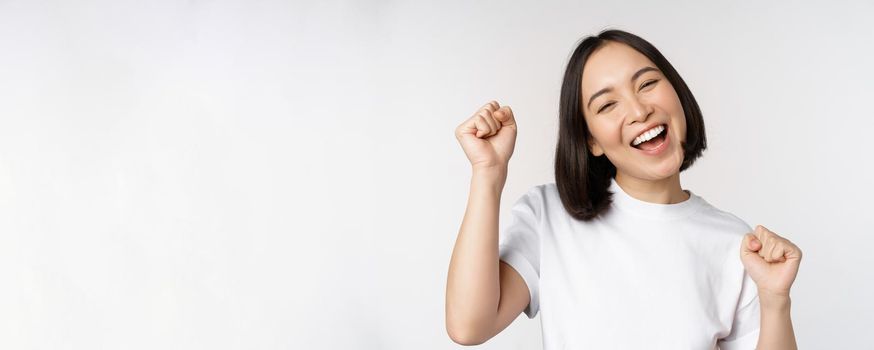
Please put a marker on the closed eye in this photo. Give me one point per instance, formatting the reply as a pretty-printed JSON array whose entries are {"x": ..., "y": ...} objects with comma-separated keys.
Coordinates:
[
  {"x": 604, "y": 107},
  {"x": 648, "y": 83}
]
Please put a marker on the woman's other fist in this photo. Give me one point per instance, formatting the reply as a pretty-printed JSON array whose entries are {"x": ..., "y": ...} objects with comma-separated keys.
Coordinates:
[
  {"x": 489, "y": 136},
  {"x": 770, "y": 260}
]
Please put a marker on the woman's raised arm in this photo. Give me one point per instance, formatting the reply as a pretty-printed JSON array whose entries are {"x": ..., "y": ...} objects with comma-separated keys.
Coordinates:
[{"x": 483, "y": 295}]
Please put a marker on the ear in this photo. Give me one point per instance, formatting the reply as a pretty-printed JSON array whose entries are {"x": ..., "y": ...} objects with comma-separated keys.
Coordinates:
[{"x": 595, "y": 148}]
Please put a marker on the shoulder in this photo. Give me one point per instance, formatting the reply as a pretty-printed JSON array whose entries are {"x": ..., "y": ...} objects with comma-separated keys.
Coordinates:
[
  {"x": 542, "y": 194},
  {"x": 723, "y": 220},
  {"x": 543, "y": 190},
  {"x": 538, "y": 200}
]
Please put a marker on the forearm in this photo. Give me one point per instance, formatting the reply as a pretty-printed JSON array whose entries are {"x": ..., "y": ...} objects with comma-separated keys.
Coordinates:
[
  {"x": 473, "y": 286},
  {"x": 776, "y": 331}
]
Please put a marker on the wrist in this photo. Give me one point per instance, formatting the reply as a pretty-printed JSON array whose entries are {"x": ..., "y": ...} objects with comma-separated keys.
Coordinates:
[
  {"x": 490, "y": 174},
  {"x": 489, "y": 178},
  {"x": 774, "y": 300},
  {"x": 490, "y": 169}
]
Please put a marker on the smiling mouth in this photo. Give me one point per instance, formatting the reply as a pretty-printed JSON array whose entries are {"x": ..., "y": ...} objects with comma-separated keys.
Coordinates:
[{"x": 653, "y": 143}]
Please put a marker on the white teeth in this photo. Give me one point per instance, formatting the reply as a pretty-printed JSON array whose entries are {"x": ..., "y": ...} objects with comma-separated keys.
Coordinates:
[{"x": 648, "y": 135}]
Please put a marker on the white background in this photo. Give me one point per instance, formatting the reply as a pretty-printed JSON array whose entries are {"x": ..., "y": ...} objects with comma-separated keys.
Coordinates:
[{"x": 269, "y": 175}]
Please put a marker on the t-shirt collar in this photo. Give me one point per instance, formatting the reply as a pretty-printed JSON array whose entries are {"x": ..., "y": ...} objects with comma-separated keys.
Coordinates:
[{"x": 626, "y": 202}]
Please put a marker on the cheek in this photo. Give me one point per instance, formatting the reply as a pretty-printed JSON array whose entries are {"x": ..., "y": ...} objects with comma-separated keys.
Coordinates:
[
  {"x": 672, "y": 105},
  {"x": 680, "y": 135},
  {"x": 669, "y": 100},
  {"x": 679, "y": 123},
  {"x": 607, "y": 134}
]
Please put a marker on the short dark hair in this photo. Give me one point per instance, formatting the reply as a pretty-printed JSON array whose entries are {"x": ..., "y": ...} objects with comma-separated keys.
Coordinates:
[{"x": 583, "y": 179}]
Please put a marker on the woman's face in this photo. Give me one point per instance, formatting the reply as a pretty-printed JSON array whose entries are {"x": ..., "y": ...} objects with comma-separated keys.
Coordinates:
[{"x": 639, "y": 98}]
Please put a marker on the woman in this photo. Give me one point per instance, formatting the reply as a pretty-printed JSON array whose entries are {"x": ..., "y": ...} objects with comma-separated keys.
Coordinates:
[{"x": 614, "y": 253}]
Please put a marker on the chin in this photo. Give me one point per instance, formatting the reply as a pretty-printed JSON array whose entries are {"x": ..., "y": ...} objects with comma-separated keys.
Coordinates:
[{"x": 666, "y": 169}]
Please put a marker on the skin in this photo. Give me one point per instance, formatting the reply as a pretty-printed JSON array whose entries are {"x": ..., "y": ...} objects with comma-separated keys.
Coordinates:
[
  {"x": 484, "y": 295},
  {"x": 616, "y": 118},
  {"x": 635, "y": 105}
]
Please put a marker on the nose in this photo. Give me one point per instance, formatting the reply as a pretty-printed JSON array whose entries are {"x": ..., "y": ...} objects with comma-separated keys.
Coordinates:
[{"x": 639, "y": 110}]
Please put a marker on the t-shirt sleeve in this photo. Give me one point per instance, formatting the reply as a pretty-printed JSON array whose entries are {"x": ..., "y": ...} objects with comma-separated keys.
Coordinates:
[
  {"x": 519, "y": 245},
  {"x": 745, "y": 327}
]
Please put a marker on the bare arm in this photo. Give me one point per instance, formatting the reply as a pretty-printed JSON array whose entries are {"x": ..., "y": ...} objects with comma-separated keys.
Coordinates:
[
  {"x": 483, "y": 295},
  {"x": 776, "y": 331},
  {"x": 772, "y": 262}
]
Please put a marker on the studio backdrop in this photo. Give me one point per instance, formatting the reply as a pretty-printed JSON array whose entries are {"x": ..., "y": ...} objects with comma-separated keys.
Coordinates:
[{"x": 284, "y": 175}]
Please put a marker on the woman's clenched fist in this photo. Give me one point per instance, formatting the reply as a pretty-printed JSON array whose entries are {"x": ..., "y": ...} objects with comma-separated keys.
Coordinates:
[
  {"x": 489, "y": 136},
  {"x": 770, "y": 260}
]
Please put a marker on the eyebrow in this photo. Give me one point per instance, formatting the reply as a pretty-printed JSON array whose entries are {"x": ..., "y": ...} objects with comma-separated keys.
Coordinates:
[{"x": 610, "y": 88}]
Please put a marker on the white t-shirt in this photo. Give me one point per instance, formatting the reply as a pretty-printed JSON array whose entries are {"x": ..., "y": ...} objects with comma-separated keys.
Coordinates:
[{"x": 640, "y": 276}]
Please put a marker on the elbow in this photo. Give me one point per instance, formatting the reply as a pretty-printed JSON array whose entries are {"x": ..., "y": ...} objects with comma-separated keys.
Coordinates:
[
  {"x": 466, "y": 338},
  {"x": 465, "y": 333}
]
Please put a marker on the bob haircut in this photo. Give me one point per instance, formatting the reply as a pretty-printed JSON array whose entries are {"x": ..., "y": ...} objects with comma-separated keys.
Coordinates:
[{"x": 583, "y": 179}]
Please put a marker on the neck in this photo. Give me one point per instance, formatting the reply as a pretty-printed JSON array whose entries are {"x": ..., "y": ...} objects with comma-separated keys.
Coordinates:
[{"x": 663, "y": 191}]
